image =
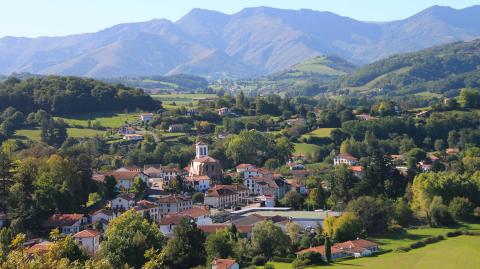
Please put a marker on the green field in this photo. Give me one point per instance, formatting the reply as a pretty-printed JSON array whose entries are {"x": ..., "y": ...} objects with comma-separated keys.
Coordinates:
[
  {"x": 305, "y": 149},
  {"x": 180, "y": 99},
  {"x": 106, "y": 119},
  {"x": 454, "y": 253},
  {"x": 321, "y": 132},
  {"x": 34, "y": 134}
]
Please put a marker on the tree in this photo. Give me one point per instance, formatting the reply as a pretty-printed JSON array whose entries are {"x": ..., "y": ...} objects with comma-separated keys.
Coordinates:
[
  {"x": 316, "y": 198},
  {"x": 198, "y": 197},
  {"x": 138, "y": 187},
  {"x": 346, "y": 227},
  {"x": 268, "y": 239},
  {"x": 402, "y": 214},
  {"x": 293, "y": 199},
  {"x": 129, "y": 236},
  {"x": 67, "y": 248},
  {"x": 219, "y": 245},
  {"x": 341, "y": 181},
  {"x": 439, "y": 214},
  {"x": 374, "y": 213},
  {"x": 328, "y": 249},
  {"x": 272, "y": 164},
  {"x": 110, "y": 184},
  {"x": 469, "y": 98},
  {"x": 293, "y": 229},
  {"x": 461, "y": 208},
  {"x": 185, "y": 249}
]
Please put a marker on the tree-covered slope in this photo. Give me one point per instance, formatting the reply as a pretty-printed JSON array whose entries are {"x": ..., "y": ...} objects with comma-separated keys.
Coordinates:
[
  {"x": 64, "y": 95},
  {"x": 443, "y": 69}
]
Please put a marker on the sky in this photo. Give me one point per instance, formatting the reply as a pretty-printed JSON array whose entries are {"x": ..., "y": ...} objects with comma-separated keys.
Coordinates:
[{"x": 32, "y": 18}]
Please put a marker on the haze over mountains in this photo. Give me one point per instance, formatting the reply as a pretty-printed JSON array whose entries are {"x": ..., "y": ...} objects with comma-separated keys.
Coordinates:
[{"x": 252, "y": 42}]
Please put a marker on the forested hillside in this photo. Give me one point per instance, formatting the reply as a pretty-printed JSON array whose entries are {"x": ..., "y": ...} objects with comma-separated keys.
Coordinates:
[
  {"x": 444, "y": 69},
  {"x": 65, "y": 95}
]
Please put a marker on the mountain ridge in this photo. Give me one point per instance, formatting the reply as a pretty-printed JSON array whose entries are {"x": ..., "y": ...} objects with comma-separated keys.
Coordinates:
[{"x": 258, "y": 41}]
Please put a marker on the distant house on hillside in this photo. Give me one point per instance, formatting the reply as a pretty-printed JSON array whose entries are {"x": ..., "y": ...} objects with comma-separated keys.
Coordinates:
[
  {"x": 295, "y": 122},
  {"x": 365, "y": 117},
  {"x": 345, "y": 158},
  {"x": 146, "y": 117},
  {"x": 66, "y": 223},
  {"x": 224, "y": 264},
  {"x": 223, "y": 111},
  {"x": 175, "y": 128},
  {"x": 133, "y": 137},
  {"x": 423, "y": 114}
]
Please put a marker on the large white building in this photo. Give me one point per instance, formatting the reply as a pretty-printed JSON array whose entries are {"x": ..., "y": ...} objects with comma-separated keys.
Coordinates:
[{"x": 345, "y": 158}]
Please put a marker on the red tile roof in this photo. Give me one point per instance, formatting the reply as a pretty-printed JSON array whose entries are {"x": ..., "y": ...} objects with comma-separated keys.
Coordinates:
[
  {"x": 59, "y": 220},
  {"x": 213, "y": 228},
  {"x": 40, "y": 248},
  {"x": 172, "y": 199},
  {"x": 124, "y": 175},
  {"x": 195, "y": 212},
  {"x": 87, "y": 233},
  {"x": 205, "y": 159},
  {"x": 173, "y": 219},
  {"x": 223, "y": 263},
  {"x": 356, "y": 168}
]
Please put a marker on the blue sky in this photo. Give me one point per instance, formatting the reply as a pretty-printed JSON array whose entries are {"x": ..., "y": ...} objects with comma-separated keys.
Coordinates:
[{"x": 60, "y": 17}]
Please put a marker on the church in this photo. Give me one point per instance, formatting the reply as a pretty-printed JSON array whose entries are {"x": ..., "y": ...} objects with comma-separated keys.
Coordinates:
[{"x": 204, "y": 165}]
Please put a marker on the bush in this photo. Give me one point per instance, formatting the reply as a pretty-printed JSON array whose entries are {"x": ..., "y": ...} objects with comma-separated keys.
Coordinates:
[
  {"x": 313, "y": 257},
  {"x": 418, "y": 244},
  {"x": 300, "y": 263},
  {"x": 259, "y": 260},
  {"x": 269, "y": 266},
  {"x": 283, "y": 259},
  {"x": 454, "y": 233},
  {"x": 440, "y": 216},
  {"x": 403, "y": 249}
]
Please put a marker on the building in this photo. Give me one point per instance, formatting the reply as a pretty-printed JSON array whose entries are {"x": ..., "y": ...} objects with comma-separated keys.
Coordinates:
[
  {"x": 295, "y": 166},
  {"x": 201, "y": 216},
  {"x": 146, "y": 117},
  {"x": 123, "y": 201},
  {"x": 364, "y": 117},
  {"x": 225, "y": 264},
  {"x": 243, "y": 167},
  {"x": 296, "y": 122},
  {"x": 204, "y": 165},
  {"x": 353, "y": 248},
  {"x": 40, "y": 248},
  {"x": 66, "y": 223},
  {"x": 245, "y": 230},
  {"x": 226, "y": 196},
  {"x": 125, "y": 178},
  {"x": 199, "y": 183},
  {"x": 423, "y": 114},
  {"x": 88, "y": 240},
  {"x": 127, "y": 130},
  {"x": 295, "y": 185},
  {"x": 103, "y": 216},
  {"x": 223, "y": 111},
  {"x": 345, "y": 158},
  {"x": 148, "y": 210},
  {"x": 175, "y": 128},
  {"x": 161, "y": 175},
  {"x": 452, "y": 151},
  {"x": 169, "y": 222},
  {"x": 133, "y": 137},
  {"x": 173, "y": 204},
  {"x": 357, "y": 170}
]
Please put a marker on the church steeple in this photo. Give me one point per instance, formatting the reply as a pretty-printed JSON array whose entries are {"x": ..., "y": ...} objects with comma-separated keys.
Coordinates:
[{"x": 201, "y": 150}]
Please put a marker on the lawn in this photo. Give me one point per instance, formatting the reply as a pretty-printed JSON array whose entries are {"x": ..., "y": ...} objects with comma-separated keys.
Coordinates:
[
  {"x": 34, "y": 134},
  {"x": 305, "y": 149},
  {"x": 321, "y": 132},
  {"x": 106, "y": 119},
  {"x": 461, "y": 252},
  {"x": 180, "y": 99}
]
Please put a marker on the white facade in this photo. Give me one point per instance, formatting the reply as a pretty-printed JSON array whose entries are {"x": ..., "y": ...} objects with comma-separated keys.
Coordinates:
[
  {"x": 88, "y": 240},
  {"x": 121, "y": 203}
]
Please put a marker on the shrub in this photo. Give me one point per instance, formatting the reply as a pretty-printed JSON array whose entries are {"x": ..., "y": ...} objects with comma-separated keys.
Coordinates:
[
  {"x": 403, "y": 249},
  {"x": 418, "y": 244},
  {"x": 259, "y": 260},
  {"x": 454, "y": 233},
  {"x": 283, "y": 259},
  {"x": 439, "y": 214},
  {"x": 313, "y": 257},
  {"x": 300, "y": 263}
]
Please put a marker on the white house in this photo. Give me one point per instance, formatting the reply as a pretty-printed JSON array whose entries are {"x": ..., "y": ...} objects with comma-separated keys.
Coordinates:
[
  {"x": 66, "y": 223},
  {"x": 173, "y": 204},
  {"x": 146, "y": 117},
  {"x": 88, "y": 240},
  {"x": 226, "y": 196},
  {"x": 123, "y": 201},
  {"x": 148, "y": 209},
  {"x": 199, "y": 183},
  {"x": 169, "y": 222},
  {"x": 201, "y": 216},
  {"x": 125, "y": 178},
  {"x": 345, "y": 158},
  {"x": 223, "y": 111},
  {"x": 133, "y": 137},
  {"x": 225, "y": 264}
]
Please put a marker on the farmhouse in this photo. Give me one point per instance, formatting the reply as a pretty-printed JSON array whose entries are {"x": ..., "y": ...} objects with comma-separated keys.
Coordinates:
[
  {"x": 353, "y": 248},
  {"x": 224, "y": 264},
  {"x": 126, "y": 177}
]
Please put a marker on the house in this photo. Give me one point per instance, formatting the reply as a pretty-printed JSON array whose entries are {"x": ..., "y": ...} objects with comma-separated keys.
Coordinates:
[
  {"x": 295, "y": 185},
  {"x": 204, "y": 165},
  {"x": 452, "y": 151},
  {"x": 175, "y": 128},
  {"x": 66, "y": 223},
  {"x": 169, "y": 222},
  {"x": 146, "y": 117},
  {"x": 40, "y": 248},
  {"x": 225, "y": 264},
  {"x": 241, "y": 168},
  {"x": 353, "y": 248},
  {"x": 199, "y": 183},
  {"x": 123, "y": 201},
  {"x": 357, "y": 170},
  {"x": 345, "y": 158},
  {"x": 225, "y": 196},
  {"x": 103, "y": 216},
  {"x": 295, "y": 166},
  {"x": 133, "y": 137},
  {"x": 364, "y": 117},
  {"x": 295, "y": 122},
  {"x": 173, "y": 204},
  {"x": 162, "y": 174},
  {"x": 223, "y": 111},
  {"x": 423, "y": 114},
  {"x": 148, "y": 210},
  {"x": 245, "y": 230},
  {"x": 89, "y": 240},
  {"x": 3, "y": 219},
  {"x": 126, "y": 177},
  {"x": 201, "y": 216},
  {"x": 127, "y": 130}
]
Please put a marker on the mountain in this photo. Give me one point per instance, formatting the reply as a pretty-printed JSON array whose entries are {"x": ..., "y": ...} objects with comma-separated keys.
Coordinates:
[
  {"x": 441, "y": 70},
  {"x": 253, "y": 42}
]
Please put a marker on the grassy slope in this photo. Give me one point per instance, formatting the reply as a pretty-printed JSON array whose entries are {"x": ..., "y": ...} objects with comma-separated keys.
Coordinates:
[
  {"x": 34, "y": 134},
  {"x": 107, "y": 119},
  {"x": 454, "y": 253},
  {"x": 302, "y": 148},
  {"x": 321, "y": 132},
  {"x": 179, "y": 99}
]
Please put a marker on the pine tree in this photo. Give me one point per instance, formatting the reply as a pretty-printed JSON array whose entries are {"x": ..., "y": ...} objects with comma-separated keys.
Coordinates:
[{"x": 328, "y": 249}]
